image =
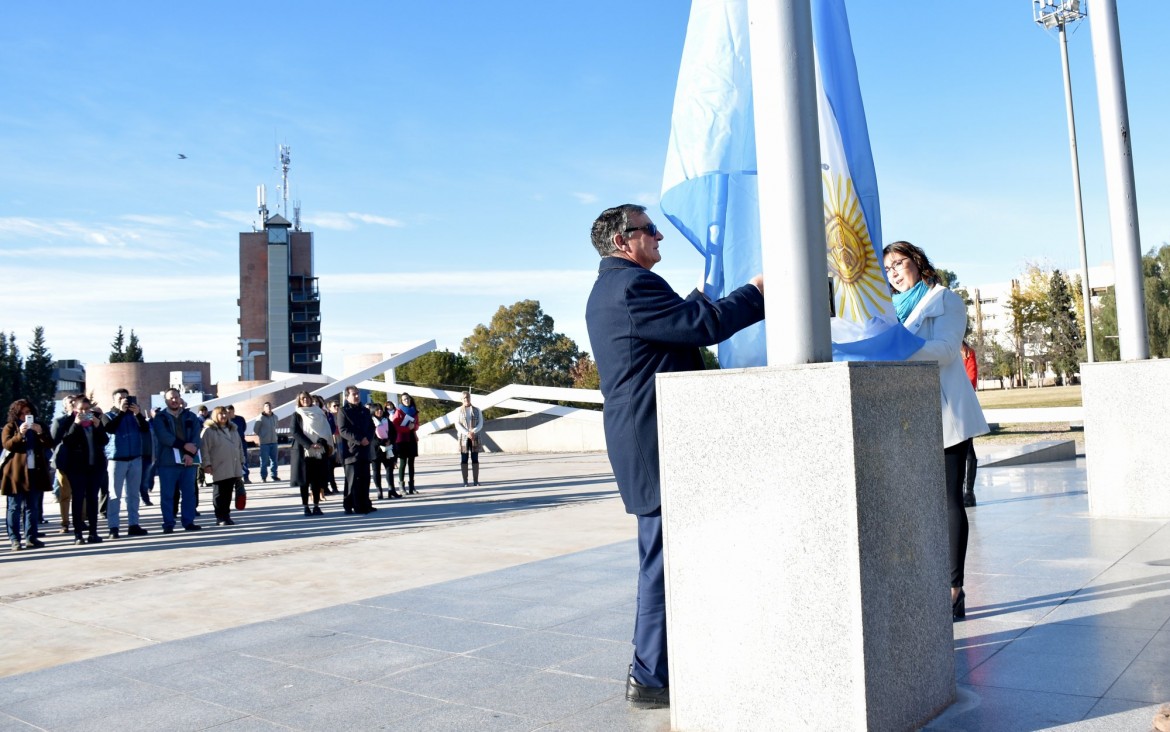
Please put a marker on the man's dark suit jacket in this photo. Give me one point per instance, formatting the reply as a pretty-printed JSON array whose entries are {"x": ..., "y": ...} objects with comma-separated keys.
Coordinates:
[
  {"x": 639, "y": 327},
  {"x": 353, "y": 424}
]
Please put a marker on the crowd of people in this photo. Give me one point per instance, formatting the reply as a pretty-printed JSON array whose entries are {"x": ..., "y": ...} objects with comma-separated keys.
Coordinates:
[{"x": 96, "y": 461}]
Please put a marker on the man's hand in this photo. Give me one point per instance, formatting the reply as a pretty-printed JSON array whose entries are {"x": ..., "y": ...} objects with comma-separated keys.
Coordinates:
[
  {"x": 365, "y": 442},
  {"x": 190, "y": 448},
  {"x": 188, "y": 461},
  {"x": 35, "y": 428},
  {"x": 758, "y": 281},
  {"x": 134, "y": 409}
]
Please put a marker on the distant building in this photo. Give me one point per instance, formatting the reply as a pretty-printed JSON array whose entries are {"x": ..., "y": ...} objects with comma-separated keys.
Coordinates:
[
  {"x": 280, "y": 306},
  {"x": 990, "y": 314},
  {"x": 69, "y": 374},
  {"x": 147, "y": 381}
]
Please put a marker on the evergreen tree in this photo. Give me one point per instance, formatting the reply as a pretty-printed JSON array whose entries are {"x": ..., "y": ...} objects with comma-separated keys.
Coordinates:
[
  {"x": 39, "y": 386},
  {"x": 133, "y": 349},
  {"x": 10, "y": 371},
  {"x": 118, "y": 355},
  {"x": 1064, "y": 334}
]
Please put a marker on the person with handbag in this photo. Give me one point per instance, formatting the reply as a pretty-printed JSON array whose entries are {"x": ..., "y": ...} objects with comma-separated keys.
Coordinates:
[
  {"x": 221, "y": 462},
  {"x": 311, "y": 455},
  {"x": 24, "y": 473}
]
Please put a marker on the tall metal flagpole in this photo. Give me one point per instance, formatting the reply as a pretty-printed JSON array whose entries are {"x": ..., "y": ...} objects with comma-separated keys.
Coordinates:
[
  {"x": 788, "y": 155},
  {"x": 1059, "y": 14},
  {"x": 1123, "y": 220},
  {"x": 1086, "y": 291}
]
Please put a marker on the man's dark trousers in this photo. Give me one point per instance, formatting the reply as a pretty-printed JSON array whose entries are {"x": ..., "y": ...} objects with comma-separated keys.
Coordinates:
[
  {"x": 650, "y": 625},
  {"x": 357, "y": 486}
]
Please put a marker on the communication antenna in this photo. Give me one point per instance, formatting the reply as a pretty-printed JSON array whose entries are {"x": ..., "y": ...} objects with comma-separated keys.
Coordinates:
[
  {"x": 285, "y": 160},
  {"x": 296, "y": 215},
  {"x": 262, "y": 203}
]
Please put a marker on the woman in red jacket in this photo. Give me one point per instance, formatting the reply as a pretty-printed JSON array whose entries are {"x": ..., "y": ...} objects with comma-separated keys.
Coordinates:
[{"x": 406, "y": 423}]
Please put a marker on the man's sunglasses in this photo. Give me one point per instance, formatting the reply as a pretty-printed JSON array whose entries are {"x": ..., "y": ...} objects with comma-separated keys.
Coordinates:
[{"x": 650, "y": 229}]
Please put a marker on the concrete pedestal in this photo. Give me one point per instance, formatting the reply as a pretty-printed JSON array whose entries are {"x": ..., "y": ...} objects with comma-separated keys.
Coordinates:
[
  {"x": 804, "y": 519},
  {"x": 1127, "y": 437}
]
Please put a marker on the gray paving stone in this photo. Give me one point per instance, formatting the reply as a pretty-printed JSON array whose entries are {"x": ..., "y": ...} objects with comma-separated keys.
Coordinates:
[
  {"x": 609, "y": 624},
  {"x": 609, "y": 663},
  {"x": 348, "y": 614},
  {"x": 1009, "y": 710},
  {"x": 259, "y": 693},
  {"x": 373, "y": 660},
  {"x": 1112, "y": 715},
  {"x": 457, "y": 718},
  {"x": 614, "y": 715},
  {"x": 541, "y": 649},
  {"x": 438, "y": 633},
  {"x": 1064, "y": 639},
  {"x": 312, "y": 643},
  {"x": 47, "y": 682},
  {"x": 547, "y": 695},
  {"x": 457, "y": 678},
  {"x": 10, "y": 724},
  {"x": 85, "y": 699},
  {"x": 204, "y": 671},
  {"x": 249, "y": 724},
  {"x": 1143, "y": 681},
  {"x": 175, "y": 714},
  {"x": 1055, "y": 673},
  {"x": 353, "y": 706}
]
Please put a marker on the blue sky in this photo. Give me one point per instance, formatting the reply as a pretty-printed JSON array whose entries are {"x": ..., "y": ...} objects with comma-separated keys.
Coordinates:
[{"x": 450, "y": 157}]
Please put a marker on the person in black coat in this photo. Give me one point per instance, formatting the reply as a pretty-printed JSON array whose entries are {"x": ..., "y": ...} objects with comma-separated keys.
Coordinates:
[
  {"x": 638, "y": 327},
  {"x": 83, "y": 460},
  {"x": 355, "y": 425}
]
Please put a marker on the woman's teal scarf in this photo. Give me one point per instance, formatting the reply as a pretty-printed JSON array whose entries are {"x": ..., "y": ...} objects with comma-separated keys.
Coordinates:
[{"x": 904, "y": 302}]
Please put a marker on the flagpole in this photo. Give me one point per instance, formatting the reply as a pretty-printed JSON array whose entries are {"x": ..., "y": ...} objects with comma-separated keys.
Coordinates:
[
  {"x": 1116, "y": 136},
  {"x": 792, "y": 229}
]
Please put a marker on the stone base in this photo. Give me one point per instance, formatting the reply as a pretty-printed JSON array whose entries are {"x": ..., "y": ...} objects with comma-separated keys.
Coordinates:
[
  {"x": 806, "y": 547},
  {"x": 1126, "y": 436}
]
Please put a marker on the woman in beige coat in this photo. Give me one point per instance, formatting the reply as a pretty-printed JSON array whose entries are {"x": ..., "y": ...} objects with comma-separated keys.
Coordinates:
[{"x": 221, "y": 460}]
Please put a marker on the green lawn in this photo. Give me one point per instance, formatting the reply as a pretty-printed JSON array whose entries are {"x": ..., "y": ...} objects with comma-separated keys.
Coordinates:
[{"x": 1048, "y": 396}]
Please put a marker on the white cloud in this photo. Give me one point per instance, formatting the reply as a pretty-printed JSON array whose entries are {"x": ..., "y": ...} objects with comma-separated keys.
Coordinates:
[
  {"x": 346, "y": 221},
  {"x": 586, "y": 199}
]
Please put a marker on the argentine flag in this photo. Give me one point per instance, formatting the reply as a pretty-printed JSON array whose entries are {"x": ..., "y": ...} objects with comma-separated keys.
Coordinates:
[{"x": 709, "y": 185}]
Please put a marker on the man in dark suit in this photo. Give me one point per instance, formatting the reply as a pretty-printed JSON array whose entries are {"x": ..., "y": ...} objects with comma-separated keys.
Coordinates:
[
  {"x": 355, "y": 425},
  {"x": 639, "y": 327}
]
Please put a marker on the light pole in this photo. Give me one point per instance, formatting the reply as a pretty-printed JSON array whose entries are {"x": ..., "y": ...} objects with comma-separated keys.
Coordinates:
[{"x": 1053, "y": 14}]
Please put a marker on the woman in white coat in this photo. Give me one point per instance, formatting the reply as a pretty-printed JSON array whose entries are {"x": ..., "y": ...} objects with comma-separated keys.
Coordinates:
[{"x": 939, "y": 316}]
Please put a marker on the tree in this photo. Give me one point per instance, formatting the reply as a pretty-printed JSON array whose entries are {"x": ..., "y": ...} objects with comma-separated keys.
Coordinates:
[
  {"x": 584, "y": 373},
  {"x": 519, "y": 346},
  {"x": 1027, "y": 308},
  {"x": 1156, "y": 283},
  {"x": 11, "y": 371},
  {"x": 435, "y": 370},
  {"x": 1065, "y": 343},
  {"x": 710, "y": 360},
  {"x": 133, "y": 349},
  {"x": 118, "y": 355},
  {"x": 39, "y": 385}
]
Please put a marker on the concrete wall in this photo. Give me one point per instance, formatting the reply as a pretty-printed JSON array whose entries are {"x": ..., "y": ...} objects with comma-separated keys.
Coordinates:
[
  {"x": 142, "y": 379},
  {"x": 526, "y": 432}
]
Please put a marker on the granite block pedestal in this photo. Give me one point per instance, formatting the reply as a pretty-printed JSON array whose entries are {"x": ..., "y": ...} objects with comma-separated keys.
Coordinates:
[
  {"x": 805, "y": 529},
  {"x": 1127, "y": 431}
]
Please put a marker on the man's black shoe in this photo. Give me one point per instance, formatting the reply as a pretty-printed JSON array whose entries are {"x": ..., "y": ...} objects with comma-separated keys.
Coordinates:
[
  {"x": 135, "y": 530},
  {"x": 646, "y": 697},
  {"x": 114, "y": 533},
  {"x": 192, "y": 527},
  {"x": 34, "y": 544},
  {"x": 168, "y": 529},
  {"x": 969, "y": 499},
  {"x": 145, "y": 498}
]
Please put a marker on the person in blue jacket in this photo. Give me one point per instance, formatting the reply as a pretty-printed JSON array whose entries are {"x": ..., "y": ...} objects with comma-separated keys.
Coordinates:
[
  {"x": 177, "y": 437},
  {"x": 638, "y": 327}
]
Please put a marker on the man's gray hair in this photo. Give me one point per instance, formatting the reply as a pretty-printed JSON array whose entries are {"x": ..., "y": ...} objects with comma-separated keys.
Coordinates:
[{"x": 611, "y": 222}]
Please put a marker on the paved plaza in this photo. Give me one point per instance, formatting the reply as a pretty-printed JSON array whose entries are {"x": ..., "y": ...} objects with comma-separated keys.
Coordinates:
[{"x": 510, "y": 607}]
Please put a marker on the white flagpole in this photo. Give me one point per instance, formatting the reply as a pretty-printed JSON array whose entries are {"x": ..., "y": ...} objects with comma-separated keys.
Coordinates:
[
  {"x": 1119, "y": 183},
  {"x": 792, "y": 229}
]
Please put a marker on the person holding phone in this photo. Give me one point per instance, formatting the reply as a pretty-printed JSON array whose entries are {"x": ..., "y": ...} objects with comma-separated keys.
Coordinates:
[
  {"x": 83, "y": 442},
  {"x": 24, "y": 475},
  {"x": 128, "y": 431}
]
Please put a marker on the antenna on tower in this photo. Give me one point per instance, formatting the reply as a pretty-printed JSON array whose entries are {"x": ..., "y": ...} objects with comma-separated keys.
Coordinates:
[
  {"x": 262, "y": 203},
  {"x": 285, "y": 160},
  {"x": 296, "y": 215}
]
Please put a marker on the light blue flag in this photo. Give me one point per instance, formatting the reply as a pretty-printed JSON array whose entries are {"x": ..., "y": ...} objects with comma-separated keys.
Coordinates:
[{"x": 709, "y": 185}]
